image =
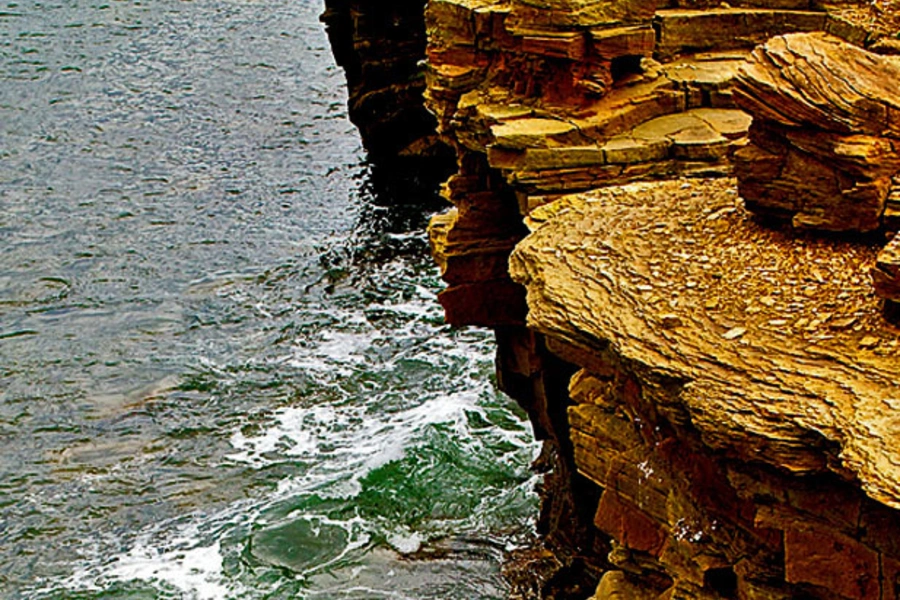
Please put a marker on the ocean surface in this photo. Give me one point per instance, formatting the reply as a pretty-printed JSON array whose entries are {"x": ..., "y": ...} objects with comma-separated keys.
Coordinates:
[{"x": 223, "y": 369}]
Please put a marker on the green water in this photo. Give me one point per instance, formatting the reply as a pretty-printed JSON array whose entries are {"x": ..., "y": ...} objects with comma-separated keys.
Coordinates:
[{"x": 223, "y": 369}]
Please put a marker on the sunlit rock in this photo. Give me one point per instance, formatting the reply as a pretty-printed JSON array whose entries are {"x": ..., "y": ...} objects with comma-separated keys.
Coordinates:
[
  {"x": 825, "y": 140},
  {"x": 715, "y": 393}
]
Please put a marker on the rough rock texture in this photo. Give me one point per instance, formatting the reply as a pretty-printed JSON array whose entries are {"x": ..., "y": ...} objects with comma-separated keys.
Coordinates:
[
  {"x": 730, "y": 414},
  {"x": 717, "y": 396},
  {"x": 825, "y": 141},
  {"x": 886, "y": 274},
  {"x": 379, "y": 44},
  {"x": 539, "y": 101},
  {"x": 757, "y": 363}
]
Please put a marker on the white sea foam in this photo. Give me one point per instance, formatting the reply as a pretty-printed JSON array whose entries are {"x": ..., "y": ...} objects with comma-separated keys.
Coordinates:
[
  {"x": 356, "y": 442},
  {"x": 405, "y": 542},
  {"x": 337, "y": 438},
  {"x": 196, "y": 571}
]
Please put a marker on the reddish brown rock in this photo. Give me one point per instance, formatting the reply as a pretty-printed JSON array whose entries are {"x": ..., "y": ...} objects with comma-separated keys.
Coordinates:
[
  {"x": 821, "y": 180},
  {"x": 890, "y": 581},
  {"x": 631, "y": 526},
  {"x": 496, "y": 303},
  {"x": 833, "y": 562}
]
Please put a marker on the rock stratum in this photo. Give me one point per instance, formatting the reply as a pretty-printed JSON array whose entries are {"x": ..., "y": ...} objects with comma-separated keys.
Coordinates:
[
  {"x": 379, "y": 46},
  {"x": 680, "y": 219}
]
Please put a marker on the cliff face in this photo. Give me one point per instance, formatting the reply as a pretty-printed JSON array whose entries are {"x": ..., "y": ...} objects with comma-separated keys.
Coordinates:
[
  {"x": 713, "y": 378},
  {"x": 380, "y": 45},
  {"x": 637, "y": 213}
]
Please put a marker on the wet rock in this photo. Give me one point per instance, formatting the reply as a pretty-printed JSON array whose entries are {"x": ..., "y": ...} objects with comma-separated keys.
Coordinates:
[{"x": 379, "y": 46}]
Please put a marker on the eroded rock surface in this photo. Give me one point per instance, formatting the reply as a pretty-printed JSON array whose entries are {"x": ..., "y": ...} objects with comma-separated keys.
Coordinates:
[
  {"x": 717, "y": 397},
  {"x": 379, "y": 45},
  {"x": 732, "y": 374},
  {"x": 767, "y": 340},
  {"x": 825, "y": 140}
]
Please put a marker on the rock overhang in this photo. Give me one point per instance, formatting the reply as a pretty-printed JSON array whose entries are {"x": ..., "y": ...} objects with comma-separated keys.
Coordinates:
[{"x": 776, "y": 340}]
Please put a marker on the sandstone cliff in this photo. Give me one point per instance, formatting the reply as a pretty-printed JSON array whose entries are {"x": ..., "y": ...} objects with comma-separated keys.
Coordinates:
[
  {"x": 714, "y": 378},
  {"x": 673, "y": 214}
]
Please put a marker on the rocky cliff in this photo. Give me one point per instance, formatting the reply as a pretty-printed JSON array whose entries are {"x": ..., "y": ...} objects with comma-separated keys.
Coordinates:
[
  {"x": 380, "y": 45},
  {"x": 674, "y": 216},
  {"x": 713, "y": 377}
]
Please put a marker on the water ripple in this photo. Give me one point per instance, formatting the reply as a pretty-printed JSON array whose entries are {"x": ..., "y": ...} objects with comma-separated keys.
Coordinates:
[{"x": 223, "y": 371}]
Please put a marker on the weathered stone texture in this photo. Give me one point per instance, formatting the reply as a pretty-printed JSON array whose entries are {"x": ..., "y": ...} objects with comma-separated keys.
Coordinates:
[
  {"x": 825, "y": 141},
  {"x": 713, "y": 365},
  {"x": 379, "y": 45},
  {"x": 683, "y": 31},
  {"x": 831, "y": 561},
  {"x": 730, "y": 430},
  {"x": 471, "y": 244},
  {"x": 550, "y": 14},
  {"x": 691, "y": 258}
]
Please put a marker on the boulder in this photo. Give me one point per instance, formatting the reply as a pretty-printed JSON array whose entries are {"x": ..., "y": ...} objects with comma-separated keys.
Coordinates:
[{"x": 825, "y": 139}]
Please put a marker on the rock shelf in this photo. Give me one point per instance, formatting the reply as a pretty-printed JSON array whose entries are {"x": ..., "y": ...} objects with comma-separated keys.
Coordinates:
[{"x": 767, "y": 340}]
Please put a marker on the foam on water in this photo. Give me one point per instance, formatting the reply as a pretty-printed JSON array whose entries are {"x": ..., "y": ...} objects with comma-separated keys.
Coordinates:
[
  {"x": 194, "y": 571},
  {"x": 223, "y": 371},
  {"x": 333, "y": 441}
]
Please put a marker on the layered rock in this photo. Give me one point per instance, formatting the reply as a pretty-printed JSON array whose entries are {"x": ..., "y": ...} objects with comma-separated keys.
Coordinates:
[
  {"x": 379, "y": 45},
  {"x": 825, "y": 140},
  {"x": 729, "y": 429},
  {"x": 728, "y": 413},
  {"x": 539, "y": 101}
]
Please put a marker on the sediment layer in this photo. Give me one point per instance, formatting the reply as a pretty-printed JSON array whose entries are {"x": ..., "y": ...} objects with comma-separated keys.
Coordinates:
[
  {"x": 716, "y": 391},
  {"x": 380, "y": 45},
  {"x": 713, "y": 376},
  {"x": 736, "y": 387}
]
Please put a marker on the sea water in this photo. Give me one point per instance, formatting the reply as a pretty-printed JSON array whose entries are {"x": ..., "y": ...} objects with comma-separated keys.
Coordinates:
[{"x": 223, "y": 369}]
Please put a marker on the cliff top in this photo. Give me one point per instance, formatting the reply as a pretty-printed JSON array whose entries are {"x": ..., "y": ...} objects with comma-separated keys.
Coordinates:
[{"x": 776, "y": 341}]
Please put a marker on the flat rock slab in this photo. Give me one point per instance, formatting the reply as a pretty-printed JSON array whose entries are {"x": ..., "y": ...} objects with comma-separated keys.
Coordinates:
[
  {"x": 534, "y": 144},
  {"x": 772, "y": 344},
  {"x": 683, "y": 30},
  {"x": 535, "y": 133},
  {"x": 711, "y": 72},
  {"x": 583, "y": 13},
  {"x": 698, "y": 134}
]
